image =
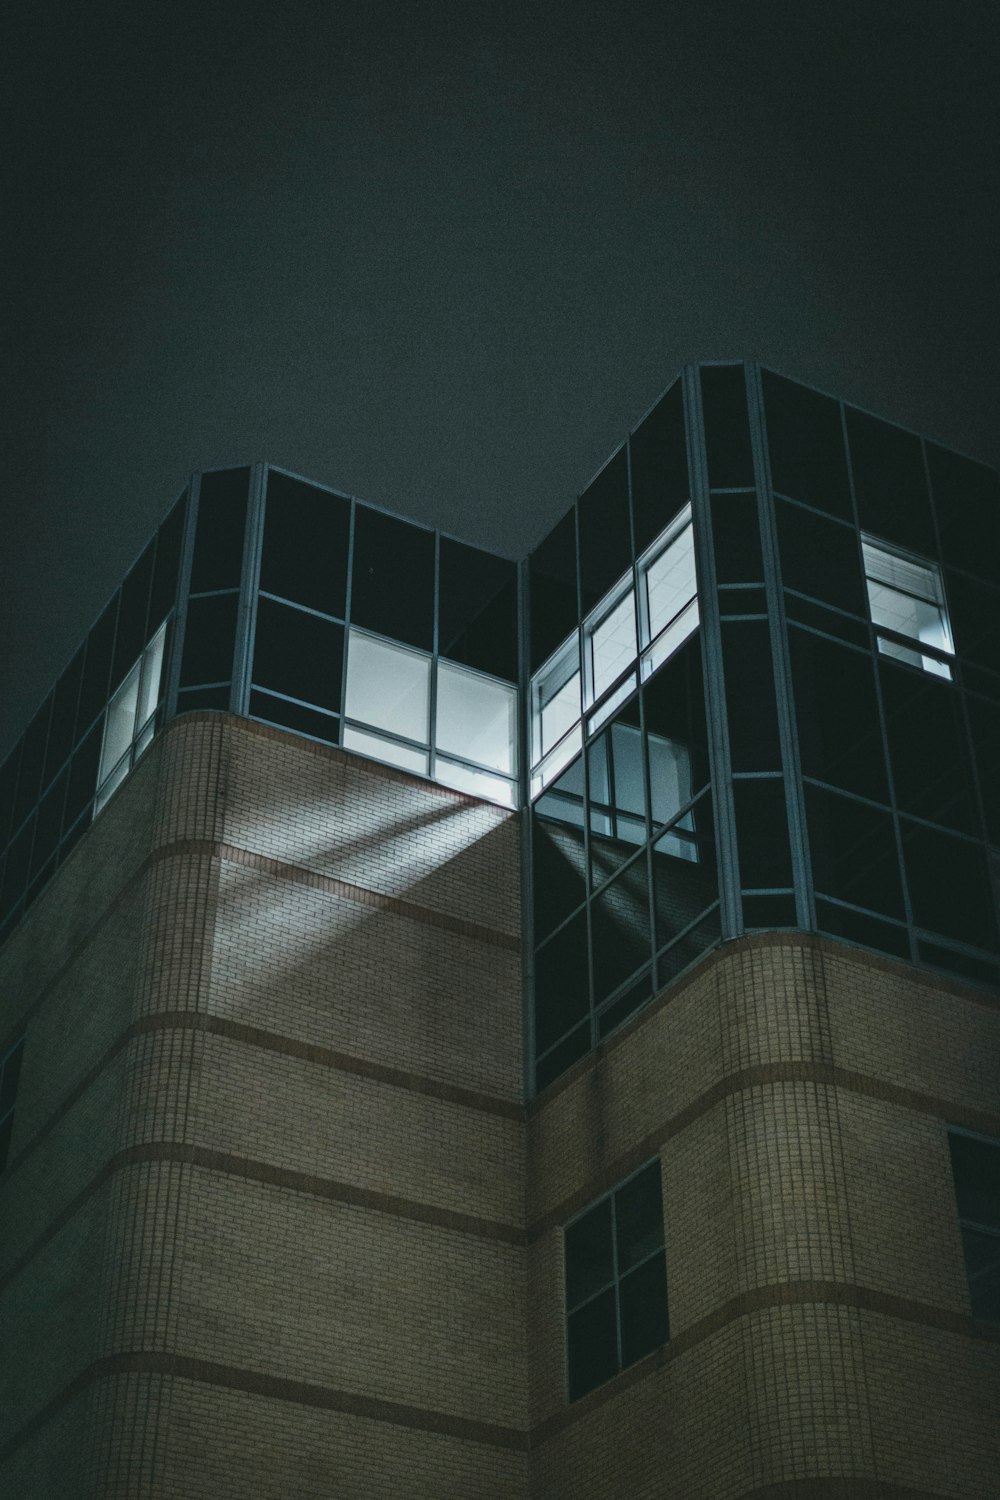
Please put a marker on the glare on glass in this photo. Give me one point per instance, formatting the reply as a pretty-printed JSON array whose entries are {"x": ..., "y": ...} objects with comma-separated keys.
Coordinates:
[
  {"x": 476, "y": 718},
  {"x": 905, "y": 596},
  {"x": 388, "y": 687}
]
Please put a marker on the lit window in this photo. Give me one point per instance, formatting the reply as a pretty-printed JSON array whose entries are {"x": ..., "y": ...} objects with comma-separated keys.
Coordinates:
[
  {"x": 975, "y": 1162},
  {"x": 388, "y": 687},
  {"x": 906, "y": 601},
  {"x": 10, "y": 1071},
  {"x": 668, "y": 592},
  {"x": 476, "y": 718},
  {"x": 609, "y": 644},
  {"x": 130, "y": 720},
  {"x": 616, "y": 1282},
  {"x": 555, "y": 711}
]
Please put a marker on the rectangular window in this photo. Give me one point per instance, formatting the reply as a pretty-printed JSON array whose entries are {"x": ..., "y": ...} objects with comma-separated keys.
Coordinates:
[
  {"x": 906, "y": 603},
  {"x": 609, "y": 644},
  {"x": 975, "y": 1162},
  {"x": 388, "y": 687},
  {"x": 668, "y": 592},
  {"x": 555, "y": 711},
  {"x": 616, "y": 1282},
  {"x": 10, "y": 1071},
  {"x": 129, "y": 722}
]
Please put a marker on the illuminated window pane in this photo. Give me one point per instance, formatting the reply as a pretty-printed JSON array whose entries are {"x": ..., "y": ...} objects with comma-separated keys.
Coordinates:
[
  {"x": 152, "y": 671},
  {"x": 374, "y": 747},
  {"x": 476, "y": 718},
  {"x": 905, "y": 596},
  {"x": 669, "y": 578},
  {"x": 555, "y": 699},
  {"x": 611, "y": 646},
  {"x": 388, "y": 687},
  {"x": 119, "y": 726},
  {"x": 476, "y": 783}
]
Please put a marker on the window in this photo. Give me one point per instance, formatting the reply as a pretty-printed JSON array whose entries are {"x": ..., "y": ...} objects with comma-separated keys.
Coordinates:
[
  {"x": 975, "y": 1162},
  {"x": 10, "y": 1070},
  {"x": 471, "y": 744},
  {"x": 129, "y": 722},
  {"x": 668, "y": 592},
  {"x": 906, "y": 602},
  {"x": 616, "y": 1282}
]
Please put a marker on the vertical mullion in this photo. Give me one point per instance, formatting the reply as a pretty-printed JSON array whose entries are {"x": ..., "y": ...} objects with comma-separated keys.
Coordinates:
[
  {"x": 181, "y": 598},
  {"x": 526, "y": 826},
  {"x": 435, "y": 638},
  {"x": 246, "y": 617}
]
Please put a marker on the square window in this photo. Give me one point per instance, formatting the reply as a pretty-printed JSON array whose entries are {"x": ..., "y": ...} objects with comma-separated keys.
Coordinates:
[
  {"x": 388, "y": 687},
  {"x": 906, "y": 603},
  {"x": 476, "y": 718}
]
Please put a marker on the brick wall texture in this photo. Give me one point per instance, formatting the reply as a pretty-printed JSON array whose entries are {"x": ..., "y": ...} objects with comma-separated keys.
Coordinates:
[{"x": 278, "y": 1224}]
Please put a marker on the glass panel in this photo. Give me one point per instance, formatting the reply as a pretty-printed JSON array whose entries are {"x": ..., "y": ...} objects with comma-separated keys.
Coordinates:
[
  {"x": 29, "y": 780},
  {"x": 904, "y": 594},
  {"x": 209, "y": 639},
  {"x": 984, "y": 725},
  {"x": 643, "y": 1300},
  {"x": 683, "y": 887},
  {"x": 392, "y": 588},
  {"x": 819, "y": 557},
  {"x": 982, "y": 1265},
  {"x": 768, "y": 912},
  {"x": 562, "y": 1056},
  {"x": 558, "y": 869},
  {"x": 144, "y": 739},
  {"x": 374, "y": 748},
  {"x": 477, "y": 718},
  {"x": 762, "y": 830},
  {"x": 967, "y": 501},
  {"x": 304, "y": 553},
  {"x": 555, "y": 699},
  {"x": 829, "y": 621},
  {"x": 976, "y": 1165},
  {"x": 218, "y": 541},
  {"x": 552, "y": 584},
  {"x": 132, "y": 632},
  {"x": 605, "y": 538},
  {"x": 670, "y": 780},
  {"x": 727, "y": 430},
  {"x": 589, "y": 1254},
  {"x": 18, "y": 862},
  {"x": 674, "y": 707},
  {"x": 49, "y": 824},
  {"x": 619, "y": 1010},
  {"x": 111, "y": 784},
  {"x": 750, "y": 697},
  {"x": 119, "y": 727},
  {"x": 63, "y": 722},
  {"x": 658, "y": 450},
  {"x": 388, "y": 687},
  {"x": 97, "y": 668},
  {"x": 561, "y": 983},
  {"x": 736, "y": 601},
  {"x": 610, "y": 644},
  {"x": 938, "y": 956},
  {"x": 191, "y": 700},
  {"x": 932, "y": 775},
  {"x": 83, "y": 775},
  {"x": 8, "y": 790},
  {"x": 859, "y": 928},
  {"x": 295, "y": 717},
  {"x": 620, "y": 929},
  {"x": 298, "y": 654},
  {"x": 889, "y": 481},
  {"x": 639, "y": 1217},
  {"x": 152, "y": 674},
  {"x": 949, "y": 882},
  {"x": 840, "y": 738},
  {"x": 667, "y": 578},
  {"x": 975, "y": 613},
  {"x": 736, "y": 539},
  {"x": 168, "y": 556},
  {"x": 478, "y": 609},
  {"x": 806, "y": 445},
  {"x": 853, "y": 852},
  {"x": 476, "y": 783},
  {"x": 592, "y": 1344},
  {"x": 617, "y": 796},
  {"x": 563, "y": 753},
  {"x": 671, "y": 639}
]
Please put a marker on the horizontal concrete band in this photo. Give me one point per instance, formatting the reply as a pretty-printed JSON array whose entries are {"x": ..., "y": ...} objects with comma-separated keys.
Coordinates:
[{"x": 274, "y": 1388}]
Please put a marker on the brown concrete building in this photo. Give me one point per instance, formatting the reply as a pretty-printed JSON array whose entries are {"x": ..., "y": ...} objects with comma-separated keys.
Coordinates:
[{"x": 331, "y": 1172}]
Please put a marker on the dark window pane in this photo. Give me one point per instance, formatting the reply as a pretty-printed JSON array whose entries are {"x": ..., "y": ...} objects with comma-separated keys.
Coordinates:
[
  {"x": 853, "y": 852},
  {"x": 83, "y": 775},
  {"x": 562, "y": 1056},
  {"x": 727, "y": 430},
  {"x": 49, "y": 825},
  {"x": 820, "y": 558},
  {"x": 889, "y": 482},
  {"x": 209, "y": 639},
  {"x": 620, "y": 931},
  {"x": 393, "y": 578},
  {"x": 561, "y": 988},
  {"x": 949, "y": 882},
  {"x": 293, "y": 716},
  {"x": 9, "y": 1077},
  {"x": 806, "y": 445},
  {"x": 306, "y": 536},
  {"x": 592, "y": 1345},
  {"x": 975, "y": 620},
  {"x": 828, "y": 620},
  {"x": 858, "y": 928},
  {"x": 976, "y": 1165},
  {"x": 765, "y": 912},
  {"x": 298, "y": 654},
  {"x": 8, "y": 791},
  {"x": 762, "y": 831},
  {"x": 63, "y": 722},
  {"x": 94, "y": 691},
  {"x": 840, "y": 738},
  {"x": 684, "y": 872},
  {"x": 930, "y": 759},
  {"x": 751, "y": 601},
  {"x": 218, "y": 538},
  {"x": 639, "y": 1217},
  {"x": 6, "y": 1130},
  {"x": 736, "y": 539},
  {"x": 688, "y": 949},
  {"x": 589, "y": 1254},
  {"x": 132, "y": 615},
  {"x": 967, "y": 501},
  {"x": 552, "y": 590},
  {"x": 193, "y": 699},
  {"x": 558, "y": 873},
  {"x": 168, "y": 560},
  {"x": 979, "y": 970},
  {"x": 478, "y": 605},
  {"x": 626, "y": 1005},
  {"x": 674, "y": 706},
  {"x": 643, "y": 1300},
  {"x": 984, "y": 724},
  {"x": 982, "y": 1265},
  {"x": 605, "y": 540},
  {"x": 753, "y": 713},
  {"x": 29, "y": 780},
  {"x": 658, "y": 449}
]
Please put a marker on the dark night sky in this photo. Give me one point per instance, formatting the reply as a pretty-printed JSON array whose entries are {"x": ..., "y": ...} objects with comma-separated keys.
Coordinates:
[{"x": 443, "y": 255}]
